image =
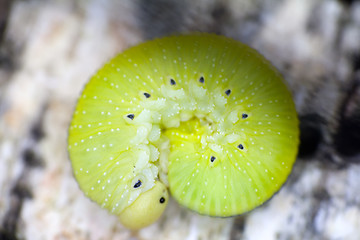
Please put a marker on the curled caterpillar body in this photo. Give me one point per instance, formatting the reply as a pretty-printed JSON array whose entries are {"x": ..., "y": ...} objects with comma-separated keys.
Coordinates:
[{"x": 204, "y": 115}]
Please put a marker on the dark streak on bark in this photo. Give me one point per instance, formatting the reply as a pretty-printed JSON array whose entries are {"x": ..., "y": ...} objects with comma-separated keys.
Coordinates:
[
  {"x": 237, "y": 231},
  {"x": 347, "y": 137},
  {"x": 5, "y": 6},
  {"x": 310, "y": 134},
  {"x": 19, "y": 193},
  {"x": 21, "y": 190},
  {"x": 348, "y": 2}
]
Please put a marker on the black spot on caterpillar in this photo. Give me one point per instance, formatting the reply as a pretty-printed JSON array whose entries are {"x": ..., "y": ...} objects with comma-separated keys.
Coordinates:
[
  {"x": 131, "y": 116},
  {"x": 137, "y": 184}
]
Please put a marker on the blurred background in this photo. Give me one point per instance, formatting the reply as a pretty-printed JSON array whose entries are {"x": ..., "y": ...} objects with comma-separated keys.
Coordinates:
[{"x": 49, "y": 49}]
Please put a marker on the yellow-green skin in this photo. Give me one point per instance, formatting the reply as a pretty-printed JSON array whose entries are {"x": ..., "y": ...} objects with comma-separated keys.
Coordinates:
[{"x": 218, "y": 113}]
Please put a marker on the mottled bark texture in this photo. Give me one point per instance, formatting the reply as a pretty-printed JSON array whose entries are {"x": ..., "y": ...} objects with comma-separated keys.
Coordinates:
[{"x": 49, "y": 49}]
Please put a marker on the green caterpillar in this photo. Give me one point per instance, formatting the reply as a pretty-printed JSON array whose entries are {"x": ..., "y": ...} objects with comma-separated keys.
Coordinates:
[{"x": 203, "y": 115}]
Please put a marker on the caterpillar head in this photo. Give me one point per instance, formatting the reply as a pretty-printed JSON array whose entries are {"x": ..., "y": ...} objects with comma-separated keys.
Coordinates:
[{"x": 146, "y": 209}]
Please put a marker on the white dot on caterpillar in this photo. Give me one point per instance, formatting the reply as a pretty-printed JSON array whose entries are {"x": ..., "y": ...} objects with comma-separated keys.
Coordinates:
[
  {"x": 92, "y": 188},
  {"x": 87, "y": 149},
  {"x": 98, "y": 181},
  {"x": 99, "y": 164}
]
